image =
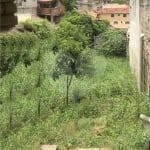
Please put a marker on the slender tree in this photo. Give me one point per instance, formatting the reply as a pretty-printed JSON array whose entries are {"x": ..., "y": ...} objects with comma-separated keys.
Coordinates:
[{"x": 73, "y": 57}]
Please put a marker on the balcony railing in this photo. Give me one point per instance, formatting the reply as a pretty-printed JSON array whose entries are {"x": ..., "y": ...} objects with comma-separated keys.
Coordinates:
[{"x": 49, "y": 11}]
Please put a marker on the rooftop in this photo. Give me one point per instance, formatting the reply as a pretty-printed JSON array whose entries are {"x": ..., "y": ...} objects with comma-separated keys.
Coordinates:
[{"x": 114, "y": 8}]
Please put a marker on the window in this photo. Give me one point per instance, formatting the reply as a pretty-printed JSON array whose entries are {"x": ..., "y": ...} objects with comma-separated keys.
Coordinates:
[
  {"x": 112, "y": 15},
  {"x": 115, "y": 22},
  {"x": 124, "y": 15},
  {"x": 127, "y": 22}
]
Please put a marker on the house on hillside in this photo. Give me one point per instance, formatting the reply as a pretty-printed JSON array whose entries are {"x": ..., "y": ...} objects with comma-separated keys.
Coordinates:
[
  {"x": 50, "y": 9},
  {"x": 89, "y": 5},
  {"x": 118, "y": 15},
  {"x": 139, "y": 42}
]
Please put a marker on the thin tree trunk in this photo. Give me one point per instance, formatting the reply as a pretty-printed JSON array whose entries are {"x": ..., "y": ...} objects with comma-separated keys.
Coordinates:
[
  {"x": 67, "y": 96},
  {"x": 68, "y": 86},
  {"x": 70, "y": 80},
  {"x": 10, "y": 108},
  {"x": 39, "y": 108},
  {"x": 10, "y": 120}
]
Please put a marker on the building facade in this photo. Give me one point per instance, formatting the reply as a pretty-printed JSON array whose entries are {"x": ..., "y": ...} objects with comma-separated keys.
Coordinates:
[
  {"x": 89, "y": 5},
  {"x": 139, "y": 43},
  {"x": 50, "y": 9},
  {"x": 26, "y": 6},
  {"x": 117, "y": 15}
]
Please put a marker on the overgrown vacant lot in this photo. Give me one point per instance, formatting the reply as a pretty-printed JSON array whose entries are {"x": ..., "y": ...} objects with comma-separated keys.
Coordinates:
[
  {"x": 103, "y": 110},
  {"x": 104, "y": 104}
]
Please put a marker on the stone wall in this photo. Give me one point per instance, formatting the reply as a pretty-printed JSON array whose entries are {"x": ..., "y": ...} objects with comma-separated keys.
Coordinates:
[
  {"x": 145, "y": 30},
  {"x": 7, "y": 17}
]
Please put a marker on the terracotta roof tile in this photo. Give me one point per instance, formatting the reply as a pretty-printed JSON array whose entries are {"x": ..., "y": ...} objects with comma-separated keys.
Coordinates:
[{"x": 114, "y": 8}]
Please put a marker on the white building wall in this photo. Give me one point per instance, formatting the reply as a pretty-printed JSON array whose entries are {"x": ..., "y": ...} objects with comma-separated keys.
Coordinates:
[
  {"x": 27, "y": 6},
  {"x": 135, "y": 41}
]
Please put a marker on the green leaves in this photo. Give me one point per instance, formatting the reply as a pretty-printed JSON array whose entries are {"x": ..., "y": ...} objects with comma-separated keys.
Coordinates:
[
  {"x": 120, "y": 1},
  {"x": 24, "y": 47},
  {"x": 15, "y": 48},
  {"x": 100, "y": 26},
  {"x": 112, "y": 43},
  {"x": 71, "y": 44},
  {"x": 40, "y": 28},
  {"x": 69, "y": 4}
]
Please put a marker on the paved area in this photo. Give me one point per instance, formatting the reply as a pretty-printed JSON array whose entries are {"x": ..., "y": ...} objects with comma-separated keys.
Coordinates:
[
  {"x": 54, "y": 147},
  {"x": 48, "y": 147}
]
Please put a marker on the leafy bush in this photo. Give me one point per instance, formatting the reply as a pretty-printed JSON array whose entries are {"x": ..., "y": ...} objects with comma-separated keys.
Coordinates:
[
  {"x": 40, "y": 28},
  {"x": 15, "y": 48},
  {"x": 112, "y": 43},
  {"x": 69, "y": 4},
  {"x": 24, "y": 47},
  {"x": 100, "y": 26},
  {"x": 89, "y": 27}
]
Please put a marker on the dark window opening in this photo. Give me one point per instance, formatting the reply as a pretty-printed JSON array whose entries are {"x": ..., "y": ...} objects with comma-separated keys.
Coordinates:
[
  {"x": 124, "y": 15},
  {"x": 112, "y": 15}
]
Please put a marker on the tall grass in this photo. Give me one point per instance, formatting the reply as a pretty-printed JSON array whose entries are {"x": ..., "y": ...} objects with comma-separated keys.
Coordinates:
[{"x": 103, "y": 111}]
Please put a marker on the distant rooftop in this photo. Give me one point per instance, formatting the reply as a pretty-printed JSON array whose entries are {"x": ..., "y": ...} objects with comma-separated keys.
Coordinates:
[{"x": 114, "y": 8}]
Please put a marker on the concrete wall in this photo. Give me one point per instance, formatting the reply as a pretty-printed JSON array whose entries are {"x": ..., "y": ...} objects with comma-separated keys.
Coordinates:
[
  {"x": 145, "y": 29},
  {"x": 139, "y": 42},
  {"x": 27, "y": 3},
  {"x": 134, "y": 41},
  {"x": 29, "y": 6}
]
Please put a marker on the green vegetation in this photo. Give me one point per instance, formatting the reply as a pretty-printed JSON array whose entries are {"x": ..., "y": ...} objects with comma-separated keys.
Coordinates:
[
  {"x": 120, "y": 1},
  {"x": 103, "y": 108},
  {"x": 74, "y": 55},
  {"x": 23, "y": 47},
  {"x": 16, "y": 48},
  {"x": 41, "y": 29},
  {"x": 88, "y": 26},
  {"x": 112, "y": 43},
  {"x": 69, "y": 4}
]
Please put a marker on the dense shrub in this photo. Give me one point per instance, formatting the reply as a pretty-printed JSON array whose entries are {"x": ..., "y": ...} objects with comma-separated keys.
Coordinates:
[
  {"x": 69, "y": 4},
  {"x": 100, "y": 26},
  {"x": 15, "y": 48},
  {"x": 40, "y": 28},
  {"x": 112, "y": 43},
  {"x": 90, "y": 27},
  {"x": 24, "y": 47}
]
